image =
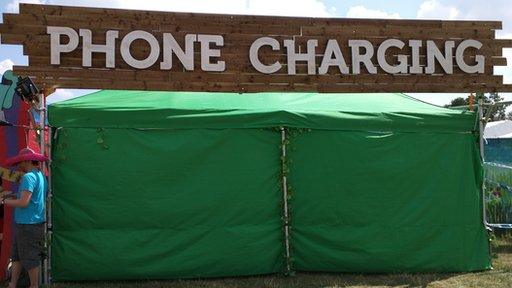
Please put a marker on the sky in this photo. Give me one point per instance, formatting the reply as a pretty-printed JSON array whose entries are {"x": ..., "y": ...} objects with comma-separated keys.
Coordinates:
[{"x": 500, "y": 10}]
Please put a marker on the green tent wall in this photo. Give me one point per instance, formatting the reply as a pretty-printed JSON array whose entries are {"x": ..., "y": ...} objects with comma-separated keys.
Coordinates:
[{"x": 156, "y": 185}]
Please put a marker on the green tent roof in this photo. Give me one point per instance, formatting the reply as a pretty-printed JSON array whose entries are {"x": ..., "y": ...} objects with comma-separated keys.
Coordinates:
[{"x": 183, "y": 110}]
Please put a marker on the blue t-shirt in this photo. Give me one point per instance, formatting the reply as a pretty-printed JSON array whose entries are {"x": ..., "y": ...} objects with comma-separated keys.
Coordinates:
[{"x": 34, "y": 182}]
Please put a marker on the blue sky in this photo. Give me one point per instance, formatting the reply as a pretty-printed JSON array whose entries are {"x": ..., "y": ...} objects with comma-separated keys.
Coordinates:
[{"x": 411, "y": 9}]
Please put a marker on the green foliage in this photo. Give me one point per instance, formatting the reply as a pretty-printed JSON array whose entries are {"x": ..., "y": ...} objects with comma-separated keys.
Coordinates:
[
  {"x": 285, "y": 171},
  {"x": 498, "y": 112},
  {"x": 498, "y": 173},
  {"x": 459, "y": 101},
  {"x": 498, "y": 194},
  {"x": 101, "y": 138},
  {"x": 493, "y": 244}
]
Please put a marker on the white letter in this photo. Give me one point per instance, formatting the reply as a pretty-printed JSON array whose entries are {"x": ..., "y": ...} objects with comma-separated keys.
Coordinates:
[
  {"x": 459, "y": 57},
  {"x": 365, "y": 58},
  {"x": 108, "y": 48},
  {"x": 207, "y": 52},
  {"x": 333, "y": 49},
  {"x": 381, "y": 57},
  {"x": 154, "y": 49},
  {"x": 293, "y": 57},
  {"x": 415, "y": 61},
  {"x": 56, "y": 47},
  {"x": 186, "y": 57},
  {"x": 446, "y": 60},
  {"x": 255, "y": 61}
]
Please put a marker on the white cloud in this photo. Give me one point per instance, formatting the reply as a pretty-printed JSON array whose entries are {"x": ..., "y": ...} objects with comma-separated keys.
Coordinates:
[
  {"x": 6, "y": 65},
  {"x": 495, "y": 10},
  {"x": 498, "y": 10},
  {"x": 432, "y": 9},
  {"x": 506, "y": 71},
  {"x": 313, "y": 8},
  {"x": 439, "y": 99},
  {"x": 254, "y": 7},
  {"x": 362, "y": 12},
  {"x": 67, "y": 94},
  {"x": 60, "y": 95}
]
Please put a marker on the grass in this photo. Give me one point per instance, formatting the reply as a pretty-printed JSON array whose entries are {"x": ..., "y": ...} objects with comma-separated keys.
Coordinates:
[{"x": 500, "y": 276}]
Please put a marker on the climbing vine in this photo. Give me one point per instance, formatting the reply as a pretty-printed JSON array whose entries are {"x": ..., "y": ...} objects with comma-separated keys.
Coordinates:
[
  {"x": 101, "y": 138},
  {"x": 287, "y": 135}
]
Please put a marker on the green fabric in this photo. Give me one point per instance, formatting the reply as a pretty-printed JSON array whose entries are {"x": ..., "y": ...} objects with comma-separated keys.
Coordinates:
[
  {"x": 143, "y": 109},
  {"x": 165, "y": 204},
  {"x": 378, "y": 183},
  {"x": 386, "y": 202}
]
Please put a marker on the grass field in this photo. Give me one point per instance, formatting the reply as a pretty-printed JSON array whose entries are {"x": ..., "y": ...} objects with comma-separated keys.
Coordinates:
[{"x": 500, "y": 276}]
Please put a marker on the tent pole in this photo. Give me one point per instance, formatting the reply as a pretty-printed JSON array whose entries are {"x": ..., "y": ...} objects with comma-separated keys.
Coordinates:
[
  {"x": 47, "y": 152},
  {"x": 285, "y": 200},
  {"x": 481, "y": 128},
  {"x": 482, "y": 157},
  {"x": 483, "y": 122},
  {"x": 41, "y": 110},
  {"x": 49, "y": 222}
]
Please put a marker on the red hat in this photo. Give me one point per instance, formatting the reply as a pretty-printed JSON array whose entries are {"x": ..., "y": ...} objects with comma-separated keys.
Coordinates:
[{"x": 25, "y": 154}]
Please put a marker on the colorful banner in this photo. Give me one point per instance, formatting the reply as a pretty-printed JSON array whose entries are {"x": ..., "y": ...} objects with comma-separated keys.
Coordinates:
[{"x": 14, "y": 132}]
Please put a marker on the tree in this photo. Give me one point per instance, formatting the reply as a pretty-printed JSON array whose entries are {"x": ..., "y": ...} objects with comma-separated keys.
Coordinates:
[
  {"x": 509, "y": 115},
  {"x": 459, "y": 101},
  {"x": 498, "y": 112}
]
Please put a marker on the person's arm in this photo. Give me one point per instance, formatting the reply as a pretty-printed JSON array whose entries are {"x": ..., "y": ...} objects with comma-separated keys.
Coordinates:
[
  {"x": 19, "y": 203},
  {"x": 27, "y": 185}
]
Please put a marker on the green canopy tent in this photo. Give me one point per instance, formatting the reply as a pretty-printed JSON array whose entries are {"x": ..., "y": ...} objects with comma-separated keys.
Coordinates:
[{"x": 178, "y": 185}]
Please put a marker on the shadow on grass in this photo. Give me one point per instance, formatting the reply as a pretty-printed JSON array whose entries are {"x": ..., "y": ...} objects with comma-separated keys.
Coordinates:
[
  {"x": 503, "y": 247},
  {"x": 301, "y": 280}
]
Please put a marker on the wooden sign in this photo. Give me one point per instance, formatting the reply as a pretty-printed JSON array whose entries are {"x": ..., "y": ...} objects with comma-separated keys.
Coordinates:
[{"x": 72, "y": 47}]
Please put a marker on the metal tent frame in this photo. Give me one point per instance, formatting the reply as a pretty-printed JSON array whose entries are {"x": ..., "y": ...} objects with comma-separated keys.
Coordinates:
[
  {"x": 47, "y": 149},
  {"x": 482, "y": 121}
]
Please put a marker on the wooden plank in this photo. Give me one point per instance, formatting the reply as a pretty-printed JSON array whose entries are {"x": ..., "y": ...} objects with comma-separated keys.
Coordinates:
[
  {"x": 21, "y": 23},
  {"x": 498, "y": 61},
  {"x": 245, "y": 40},
  {"x": 239, "y": 31},
  {"x": 24, "y": 22},
  {"x": 239, "y": 36},
  {"x": 230, "y": 86},
  {"x": 412, "y": 32},
  {"x": 232, "y": 66},
  {"x": 126, "y": 13},
  {"x": 68, "y": 73},
  {"x": 36, "y": 48},
  {"x": 98, "y": 60},
  {"x": 233, "y": 87}
]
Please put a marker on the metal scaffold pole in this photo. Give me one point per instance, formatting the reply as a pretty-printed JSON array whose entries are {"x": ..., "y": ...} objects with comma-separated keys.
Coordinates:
[
  {"x": 482, "y": 120},
  {"x": 49, "y": 222},
  {"x": 45, "y": 149}
]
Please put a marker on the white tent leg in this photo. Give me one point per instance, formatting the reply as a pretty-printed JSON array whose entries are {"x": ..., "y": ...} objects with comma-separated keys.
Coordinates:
[
  {"x": 481, "y": 144},
  {"x": 285, "y": 200}
]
